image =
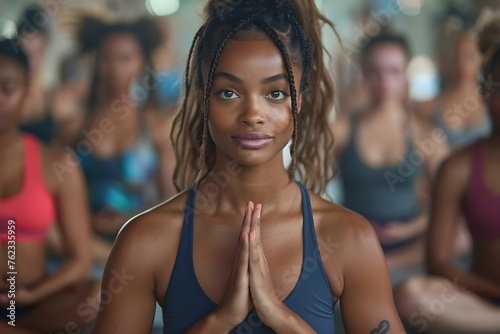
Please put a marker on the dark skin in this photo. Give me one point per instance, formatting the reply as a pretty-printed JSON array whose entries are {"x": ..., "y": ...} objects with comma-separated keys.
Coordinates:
[
  {"x": 467, "y": 294},
  {"x": 451, "y": 186},
  {"x": 120, "y": 61},
  {"x": 60, "y": 292},
  {"x": 248, "y": 238}
]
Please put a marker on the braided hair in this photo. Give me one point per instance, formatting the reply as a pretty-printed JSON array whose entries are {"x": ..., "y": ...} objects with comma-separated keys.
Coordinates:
[{"x": 295, "y": 28}]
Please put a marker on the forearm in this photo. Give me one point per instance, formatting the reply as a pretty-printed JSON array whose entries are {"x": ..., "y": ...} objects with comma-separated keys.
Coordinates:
[
  {"x": 72, "y": 271},
  {"x": 418, "y": 225},
  {"x": 289, "y": 322},
  {"x": 211, "y": 323},
  {"x": 468, "y": 280}
]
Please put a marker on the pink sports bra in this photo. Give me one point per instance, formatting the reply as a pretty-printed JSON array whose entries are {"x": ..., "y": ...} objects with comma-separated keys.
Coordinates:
[{"x": 33, "y": 208}]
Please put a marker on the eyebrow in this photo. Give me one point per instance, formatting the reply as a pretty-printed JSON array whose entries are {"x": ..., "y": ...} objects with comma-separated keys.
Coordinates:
[
  {"x": 235, "y": 79},
  {"x": 228, "y": 76},
  {"x": 277, "y": 77}
]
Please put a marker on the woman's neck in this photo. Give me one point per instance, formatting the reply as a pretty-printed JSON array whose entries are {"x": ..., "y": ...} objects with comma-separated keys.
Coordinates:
[
  {"x": 388, "y": 110},
  {"x": 464, "y": 86},
  {"x": 234, "y": 185},
  {"x": 8, "y": 137}
]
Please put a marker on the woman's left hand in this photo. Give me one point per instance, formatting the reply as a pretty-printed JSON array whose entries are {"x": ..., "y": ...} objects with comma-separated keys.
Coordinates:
[{"x": 268, "y": 306}]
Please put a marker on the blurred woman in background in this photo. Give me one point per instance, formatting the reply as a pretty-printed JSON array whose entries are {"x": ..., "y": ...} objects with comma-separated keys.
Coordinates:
[
  {"x": 460, "y": 301},
  {"x": 121, "y": 146},
  {"x": 32, "y": 198},
  {"x": 460, "y": 110},
  {"x": 36, "y": 116},
  {"x": 383, "y": 161}
]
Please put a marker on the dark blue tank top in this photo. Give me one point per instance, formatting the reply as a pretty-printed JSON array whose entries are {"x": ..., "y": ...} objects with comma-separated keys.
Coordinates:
[
  {"x": 311, "y": 298},
  {"x": 380, "y": 194}
]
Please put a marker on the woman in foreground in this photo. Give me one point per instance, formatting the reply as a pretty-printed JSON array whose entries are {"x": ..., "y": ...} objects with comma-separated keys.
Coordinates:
[{"x": 246, "y": 248}]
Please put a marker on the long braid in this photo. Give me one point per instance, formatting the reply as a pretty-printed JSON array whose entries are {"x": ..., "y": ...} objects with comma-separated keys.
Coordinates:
[
  {"x": 291, "y": 79},
  {"x": 202, "y": 160},
  {"x": 180, "y": 117}
]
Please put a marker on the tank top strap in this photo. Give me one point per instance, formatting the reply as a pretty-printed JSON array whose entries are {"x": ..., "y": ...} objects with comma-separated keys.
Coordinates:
[
  {"x": 186, "y": 242},
  {"x": 311, "y": 248},
  {"x": 32, "y": 162}
]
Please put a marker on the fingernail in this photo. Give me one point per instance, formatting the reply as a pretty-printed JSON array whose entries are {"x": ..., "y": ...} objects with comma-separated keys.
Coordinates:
[{"x": 242, "y": 235}]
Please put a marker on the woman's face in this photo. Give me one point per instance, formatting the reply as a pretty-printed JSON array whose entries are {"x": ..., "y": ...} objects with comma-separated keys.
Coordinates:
[
  {"x": 120, "y": 61},
  {"x": 467, "y": 59},
  {"x": 385, "y": 72},
  {"x": 250, "y": 116},
  {"x": 13, "y": 90}
]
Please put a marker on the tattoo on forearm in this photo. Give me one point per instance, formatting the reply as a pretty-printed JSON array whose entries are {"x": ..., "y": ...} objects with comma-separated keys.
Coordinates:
[{"x": 383, "y": 328}]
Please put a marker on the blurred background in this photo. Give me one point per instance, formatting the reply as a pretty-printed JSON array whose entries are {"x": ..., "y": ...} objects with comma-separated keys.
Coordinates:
[
  {"x": 422, "y": 21},
  {"x": 135, "y": 176}
]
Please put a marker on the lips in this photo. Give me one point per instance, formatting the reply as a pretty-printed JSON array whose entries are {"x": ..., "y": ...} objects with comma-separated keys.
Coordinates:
[{"x": 252, "y": 140}]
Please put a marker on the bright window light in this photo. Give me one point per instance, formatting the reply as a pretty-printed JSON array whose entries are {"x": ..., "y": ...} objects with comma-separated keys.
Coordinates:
[
  {"x": 162, "y": 7},
  {"x": 410, "y": 7},
  {"x": 7, "y": 28}
]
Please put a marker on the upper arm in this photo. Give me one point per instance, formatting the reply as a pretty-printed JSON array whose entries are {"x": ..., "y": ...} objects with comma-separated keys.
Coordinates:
[
  {"x": 72, "y": 211},
  {"x": 447, "y": 193},
  {"x": 366, "y": 301},
  {"x": 127, "y": 295}
]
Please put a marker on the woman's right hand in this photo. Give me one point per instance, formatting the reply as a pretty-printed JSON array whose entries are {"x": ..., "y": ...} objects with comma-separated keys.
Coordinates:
[{"x": 236, "y": 302}]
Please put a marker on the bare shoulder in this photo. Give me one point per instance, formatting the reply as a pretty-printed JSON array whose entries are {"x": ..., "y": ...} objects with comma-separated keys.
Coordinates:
[
  {"x": 346, "y": 242},
  {"x": 61, "y": 168},
  {"x": 349, "y": 229},
  {"x": 147, "y": 244},
  {"x": 458, "y": 165},
  {"x": 155, "y": 228}
]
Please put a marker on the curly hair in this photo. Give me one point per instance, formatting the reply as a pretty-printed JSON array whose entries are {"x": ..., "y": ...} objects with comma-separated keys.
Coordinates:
[{"x": 295, "y": 29}]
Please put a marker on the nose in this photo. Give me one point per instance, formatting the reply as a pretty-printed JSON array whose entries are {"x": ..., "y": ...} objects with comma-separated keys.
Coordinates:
[{"x": 252, "y": 112}]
